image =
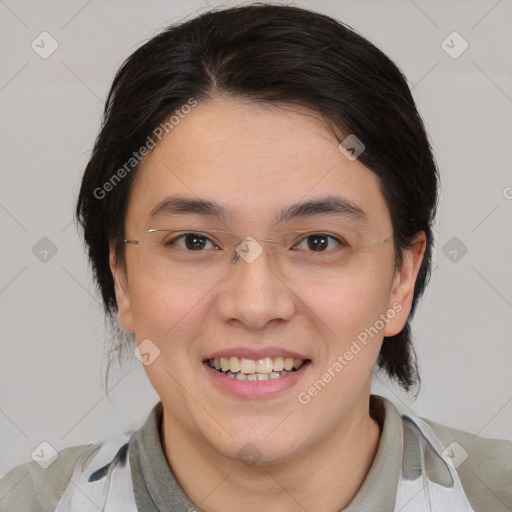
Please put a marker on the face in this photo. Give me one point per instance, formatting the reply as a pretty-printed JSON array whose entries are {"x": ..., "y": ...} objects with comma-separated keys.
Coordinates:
[{"x": 254, "y": 161}]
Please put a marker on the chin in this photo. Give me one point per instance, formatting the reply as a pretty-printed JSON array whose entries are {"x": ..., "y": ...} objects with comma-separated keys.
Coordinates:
[{"x": 260, "y": 446}]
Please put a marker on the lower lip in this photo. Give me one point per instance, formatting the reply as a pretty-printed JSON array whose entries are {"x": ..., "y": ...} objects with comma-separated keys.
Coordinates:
[{"x": 256, "y": 389}]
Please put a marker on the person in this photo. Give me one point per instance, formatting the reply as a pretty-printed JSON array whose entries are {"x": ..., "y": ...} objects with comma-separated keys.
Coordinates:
[{"x": 258, "y": 212}]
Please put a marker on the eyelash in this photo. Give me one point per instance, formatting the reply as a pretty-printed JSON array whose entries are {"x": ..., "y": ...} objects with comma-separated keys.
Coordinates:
[{"x": 338, "y": 240}]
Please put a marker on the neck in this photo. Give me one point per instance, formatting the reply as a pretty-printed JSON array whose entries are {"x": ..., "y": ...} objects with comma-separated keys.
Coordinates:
[{"x": 324, "y": 477}]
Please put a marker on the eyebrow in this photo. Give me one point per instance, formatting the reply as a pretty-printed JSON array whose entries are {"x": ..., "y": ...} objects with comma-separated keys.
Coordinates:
[{"x": 332, "y": 205}]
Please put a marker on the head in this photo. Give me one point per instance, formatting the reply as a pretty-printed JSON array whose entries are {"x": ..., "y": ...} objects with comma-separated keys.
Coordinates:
[{"x": 246, "y": 108}]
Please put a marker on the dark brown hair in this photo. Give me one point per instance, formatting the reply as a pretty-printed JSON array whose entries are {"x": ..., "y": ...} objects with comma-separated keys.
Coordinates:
[{"x": 273, "y": 54}]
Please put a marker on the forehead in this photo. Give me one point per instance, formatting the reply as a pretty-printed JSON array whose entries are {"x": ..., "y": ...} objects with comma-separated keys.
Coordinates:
[{"x": 254, "y": 161}]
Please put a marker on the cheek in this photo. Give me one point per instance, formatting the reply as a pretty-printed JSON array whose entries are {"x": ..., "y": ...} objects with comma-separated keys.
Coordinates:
[
  {"x": 348, "y": 315},
  {"x": 171, "y": 316},
  {"x": 167, "y": 313},
  {"x": 349, "y": 306}
]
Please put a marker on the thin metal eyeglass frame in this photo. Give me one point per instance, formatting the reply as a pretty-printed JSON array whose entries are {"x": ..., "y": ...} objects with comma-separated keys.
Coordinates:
[{"x": 234, "y": 259}]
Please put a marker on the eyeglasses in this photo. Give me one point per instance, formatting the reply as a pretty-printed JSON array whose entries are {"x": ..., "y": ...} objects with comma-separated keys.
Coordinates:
[{"x": 190, "y": 255}]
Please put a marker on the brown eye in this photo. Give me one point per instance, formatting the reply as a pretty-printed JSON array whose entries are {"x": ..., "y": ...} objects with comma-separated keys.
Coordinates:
[
  {"x": 319, "y": 242},
  {"x": 189, "y": 241}
]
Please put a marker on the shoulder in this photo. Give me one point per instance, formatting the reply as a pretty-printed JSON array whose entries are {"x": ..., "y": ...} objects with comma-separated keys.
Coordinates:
[
  {"x": 29, "y": 487},
  {"x": 484, "y": 466}
]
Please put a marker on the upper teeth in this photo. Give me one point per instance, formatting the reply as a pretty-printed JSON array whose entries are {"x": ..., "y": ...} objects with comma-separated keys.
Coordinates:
[{"x": 265, "y": 365}]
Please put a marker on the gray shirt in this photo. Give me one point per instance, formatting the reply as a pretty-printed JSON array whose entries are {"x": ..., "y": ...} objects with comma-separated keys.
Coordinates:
[{"x": 486, "y": 473}]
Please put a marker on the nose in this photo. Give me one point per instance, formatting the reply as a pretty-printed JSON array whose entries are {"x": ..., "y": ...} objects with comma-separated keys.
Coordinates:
[{"x": 253, "y": 293}]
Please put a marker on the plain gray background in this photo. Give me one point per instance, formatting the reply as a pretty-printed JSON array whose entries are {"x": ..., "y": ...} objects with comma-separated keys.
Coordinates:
[{"x": 52, "y": 363}]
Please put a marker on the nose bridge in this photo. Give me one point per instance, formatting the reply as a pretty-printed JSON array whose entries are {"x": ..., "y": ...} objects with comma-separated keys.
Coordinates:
[
  {"x": 254, "y": 293},
  {"x": 252, "y": 248},
  {"x": 254, "y": 262}
]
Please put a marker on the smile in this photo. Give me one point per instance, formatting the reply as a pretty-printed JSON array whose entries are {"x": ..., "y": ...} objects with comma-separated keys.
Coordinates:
[
  {"x": 255, "y": 369},
  {"x": 255, "y": 374}
]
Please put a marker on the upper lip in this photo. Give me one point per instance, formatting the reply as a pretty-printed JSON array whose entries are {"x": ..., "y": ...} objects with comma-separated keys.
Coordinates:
[{"x": 250, "y": 353}]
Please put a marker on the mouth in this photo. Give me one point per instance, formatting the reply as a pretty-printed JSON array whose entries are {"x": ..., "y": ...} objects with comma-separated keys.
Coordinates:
[{"x": 266, "y": 368}]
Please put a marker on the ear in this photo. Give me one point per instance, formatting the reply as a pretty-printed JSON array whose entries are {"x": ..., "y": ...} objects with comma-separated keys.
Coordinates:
[
  {"x": 121, "y": 289},
  {"x": 404, "y": 280}
]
